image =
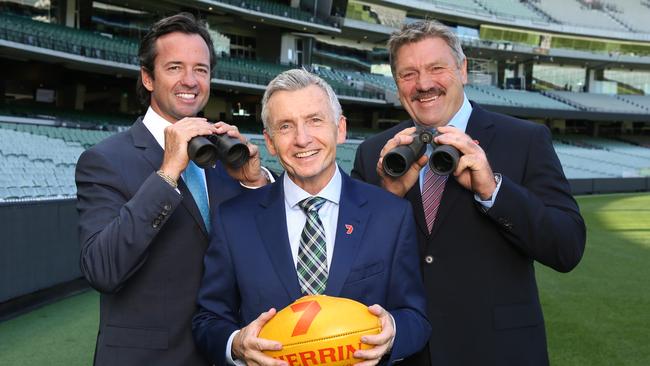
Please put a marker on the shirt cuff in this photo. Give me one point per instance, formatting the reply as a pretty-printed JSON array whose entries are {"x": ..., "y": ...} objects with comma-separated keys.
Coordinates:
[
  {"x": 267, "y": 174},
  {"x": 229, "y": 359},
  {"x": 487, "y": 204}
]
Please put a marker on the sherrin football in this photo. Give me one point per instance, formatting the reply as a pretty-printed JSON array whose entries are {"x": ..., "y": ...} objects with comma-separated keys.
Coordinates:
[{"x": 320, "y": 330}]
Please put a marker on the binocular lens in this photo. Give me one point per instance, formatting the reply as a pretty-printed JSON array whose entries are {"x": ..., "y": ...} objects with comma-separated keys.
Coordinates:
[{"x": 206, "y": 150}]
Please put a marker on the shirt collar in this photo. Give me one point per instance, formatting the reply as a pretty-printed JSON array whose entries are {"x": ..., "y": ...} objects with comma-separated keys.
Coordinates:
[
  {"x": 294, "y": 194},
  {"x": 156, "y": 125},
  {"x": 461, "y": 118}
]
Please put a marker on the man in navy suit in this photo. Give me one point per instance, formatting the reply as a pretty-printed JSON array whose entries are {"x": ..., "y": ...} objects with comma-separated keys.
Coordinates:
[
  {"x": 507, "y": 205},
  {"x": 262, "y": 256},
  {"x": 142, "y": 226}
]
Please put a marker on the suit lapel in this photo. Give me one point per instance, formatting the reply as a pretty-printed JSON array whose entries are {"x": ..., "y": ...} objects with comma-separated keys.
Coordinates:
[
  {"x": 350, "y": 227},
  {"x": 272, "y": 225},
  {"x": 153, "y": 153},
  {"x": 479, "y": 127}
]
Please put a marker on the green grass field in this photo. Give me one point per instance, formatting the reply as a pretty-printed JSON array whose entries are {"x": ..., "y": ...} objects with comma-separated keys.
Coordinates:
[{"x": 599, "y": 314}]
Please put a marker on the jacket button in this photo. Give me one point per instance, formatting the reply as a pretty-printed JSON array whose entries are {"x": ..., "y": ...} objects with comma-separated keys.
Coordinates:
[
  {"x": 428, "y": 259},
  {"x": 155, "y": 223},
  {"x": 167, "y": 207}
]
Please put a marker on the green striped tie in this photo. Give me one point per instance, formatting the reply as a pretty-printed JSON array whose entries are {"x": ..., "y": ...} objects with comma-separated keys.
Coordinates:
[{"x": 312, "y": 253}]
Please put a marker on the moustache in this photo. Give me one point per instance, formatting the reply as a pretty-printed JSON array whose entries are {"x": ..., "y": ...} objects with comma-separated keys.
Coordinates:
[{"x": 422, "y": 94}]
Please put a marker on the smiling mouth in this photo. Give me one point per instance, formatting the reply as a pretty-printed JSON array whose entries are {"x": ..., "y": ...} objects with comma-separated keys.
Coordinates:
[
  {"x": 430, "y": 95},
  {"x": 186, "y": 96},
  {"x": 306, "y": 154}
]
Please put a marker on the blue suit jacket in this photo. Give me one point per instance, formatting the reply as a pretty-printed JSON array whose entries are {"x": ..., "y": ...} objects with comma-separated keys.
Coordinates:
[
  {"x": 142, "y": 247},
  {"x": 249, "y": 267},
  {"x": 478, "y": 266}
]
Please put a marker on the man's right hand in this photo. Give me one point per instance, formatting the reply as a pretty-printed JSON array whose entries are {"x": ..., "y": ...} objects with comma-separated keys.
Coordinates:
[
  {"x": 248, "y": 347},
  {"x": 400, "y": 185},
  {"x": 177, "y": 137}
]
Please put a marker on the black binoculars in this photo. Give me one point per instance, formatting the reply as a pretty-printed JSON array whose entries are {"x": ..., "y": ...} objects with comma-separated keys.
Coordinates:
[
  {"x": 443, "y": 159},
  {"x": 206, "y": 150}
]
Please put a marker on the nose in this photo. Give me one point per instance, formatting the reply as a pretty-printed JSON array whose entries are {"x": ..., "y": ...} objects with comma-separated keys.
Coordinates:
[
  {"x": 189, "y": 79},
  {"x": 423, "y": 81},
  {"x": 303, "y": 137}
]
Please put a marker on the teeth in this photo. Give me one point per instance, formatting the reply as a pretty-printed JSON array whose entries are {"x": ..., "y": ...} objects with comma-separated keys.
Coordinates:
[
  {"x": 429, "y": 99},
  {"x": 306, "y": 154},
  {"x": 186, "y": 95}
]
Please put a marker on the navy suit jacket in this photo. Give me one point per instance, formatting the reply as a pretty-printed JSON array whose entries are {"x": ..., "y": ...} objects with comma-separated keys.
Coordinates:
[
  {"x": 249, "y": 267},
  {"x": 142, "y": 247},
  {"x": 477, "y": 266}
]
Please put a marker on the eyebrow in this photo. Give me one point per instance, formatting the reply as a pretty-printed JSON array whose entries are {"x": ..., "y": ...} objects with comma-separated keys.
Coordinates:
[{"x": 181, "y": 63}]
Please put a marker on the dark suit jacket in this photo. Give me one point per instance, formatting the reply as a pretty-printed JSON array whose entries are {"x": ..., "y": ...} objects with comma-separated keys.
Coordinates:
[
  {"x": 142, "y": 248},
  {"x": 478, "y": 268},
  {"x": 249, "y": 267}
]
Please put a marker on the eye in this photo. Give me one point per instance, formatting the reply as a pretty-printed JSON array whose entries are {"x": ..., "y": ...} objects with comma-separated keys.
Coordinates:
[
  {"x": 202, "y": 70},
  {"x": 408, "y": 75}
]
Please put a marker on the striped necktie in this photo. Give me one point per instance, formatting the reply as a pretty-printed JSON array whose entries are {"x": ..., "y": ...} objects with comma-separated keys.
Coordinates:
[
  {"x": 195, "y": 182},
  {"x": 312, "y": 252},
  {"x": 431, "y": 195}
]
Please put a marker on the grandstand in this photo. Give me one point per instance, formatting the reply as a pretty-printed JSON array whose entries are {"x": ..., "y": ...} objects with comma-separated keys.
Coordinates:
[{"x": 580, "y": 67}]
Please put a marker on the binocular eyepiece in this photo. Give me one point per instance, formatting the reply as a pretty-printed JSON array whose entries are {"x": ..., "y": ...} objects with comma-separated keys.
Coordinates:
[
  {"x": 443, "y": 159},
  {"x": 206, "y": 150}
]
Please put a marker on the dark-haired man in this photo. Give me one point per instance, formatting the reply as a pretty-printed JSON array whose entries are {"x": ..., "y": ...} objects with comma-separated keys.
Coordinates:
[
  {"x": 144, "y": 207},
  {"x": 481, "y": 229}
]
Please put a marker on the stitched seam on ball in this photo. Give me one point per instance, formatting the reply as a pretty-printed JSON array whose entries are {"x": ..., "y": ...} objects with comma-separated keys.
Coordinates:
[{"x": 328, "y": 338}]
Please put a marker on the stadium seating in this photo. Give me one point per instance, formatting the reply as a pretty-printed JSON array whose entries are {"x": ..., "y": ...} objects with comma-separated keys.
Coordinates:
[
  {"x": 36, "y": 166},
  {"x": 598, "y": 102},
  {"x": 513, "y": 9},
  {"x": 279, "y": 9},
  {"x": 573, "y": 13},
  {"x": 60, "y": 38}
]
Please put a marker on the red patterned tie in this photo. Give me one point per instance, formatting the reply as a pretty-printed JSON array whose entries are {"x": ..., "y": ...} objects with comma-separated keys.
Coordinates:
[{"x": 431, "y": 195}]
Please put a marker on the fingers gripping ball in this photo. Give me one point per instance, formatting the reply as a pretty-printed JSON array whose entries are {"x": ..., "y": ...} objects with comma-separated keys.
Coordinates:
[{"x": 320, "y": 330}]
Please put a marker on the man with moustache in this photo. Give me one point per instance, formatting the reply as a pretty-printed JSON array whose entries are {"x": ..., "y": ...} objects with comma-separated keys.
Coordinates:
[
  {"x": 480, "y": 230},
  {"x": 314, "y": 231},
  {"x": 144, "y": 208}
]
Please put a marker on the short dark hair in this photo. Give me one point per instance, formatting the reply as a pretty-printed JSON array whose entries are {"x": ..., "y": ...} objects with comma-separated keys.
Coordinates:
[{"x": 182, "y": 22}]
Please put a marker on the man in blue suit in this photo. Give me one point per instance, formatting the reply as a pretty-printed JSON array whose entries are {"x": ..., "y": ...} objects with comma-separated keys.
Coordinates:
[
  {"x": 143, "y": 211},
  {"x": 315, "y": 230},
  {"x": 506, "y": 206}
]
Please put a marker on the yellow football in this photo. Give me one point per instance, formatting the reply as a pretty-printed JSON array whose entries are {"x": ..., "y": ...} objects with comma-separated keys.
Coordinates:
[{"x": 320, "y": 330}]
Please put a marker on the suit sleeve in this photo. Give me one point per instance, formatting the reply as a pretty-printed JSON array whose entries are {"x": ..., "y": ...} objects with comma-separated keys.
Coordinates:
[
  {"x": 540, "y": 216},
  {"x": 115, "y": 228},
  {"x": 406, "y": 298},
  {"x": 218, "y": 299}
]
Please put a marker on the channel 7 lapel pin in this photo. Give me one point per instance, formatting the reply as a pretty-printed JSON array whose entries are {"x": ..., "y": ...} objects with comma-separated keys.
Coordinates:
[{"x": 349, "y": 229}]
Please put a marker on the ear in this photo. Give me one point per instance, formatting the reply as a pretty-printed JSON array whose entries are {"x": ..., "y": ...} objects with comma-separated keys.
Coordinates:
[
  {"x": 147, "y": 79},
  {"x": 269, "y": 143},
  {"x": 463, "y": 71},
  {"x": 341, "y": 130}
]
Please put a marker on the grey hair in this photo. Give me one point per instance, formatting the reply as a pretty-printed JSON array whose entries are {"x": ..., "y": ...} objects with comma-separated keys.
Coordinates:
[
  {"x": 417, "y": 31},
  {"x": 296, "y": 79}
]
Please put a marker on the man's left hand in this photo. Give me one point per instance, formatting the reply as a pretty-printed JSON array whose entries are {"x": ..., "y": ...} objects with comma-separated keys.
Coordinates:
[
  {"x": 250, "y": 174},
  {"x": 473, "y": 171},
  {"x": 382, "y": 342}
]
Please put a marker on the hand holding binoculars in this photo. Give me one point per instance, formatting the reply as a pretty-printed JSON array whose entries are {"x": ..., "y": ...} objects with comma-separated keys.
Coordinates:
[
  {"x": 443, "y": 159},
  {"x": 206, "y": 150}
]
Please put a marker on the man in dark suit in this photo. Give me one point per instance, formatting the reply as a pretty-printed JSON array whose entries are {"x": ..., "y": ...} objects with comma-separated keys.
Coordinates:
[
  {"x": 315, "y": 230},
  {"x": 480, "y": 230},
  {"x": 143, "y": 211}
]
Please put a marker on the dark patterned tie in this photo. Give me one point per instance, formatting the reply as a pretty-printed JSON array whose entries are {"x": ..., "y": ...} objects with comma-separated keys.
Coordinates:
[
  {"x": 431, "y": 195},
  {"x": 312, "y": 253}
]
